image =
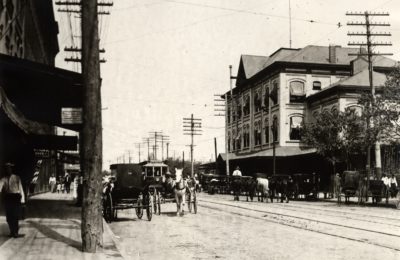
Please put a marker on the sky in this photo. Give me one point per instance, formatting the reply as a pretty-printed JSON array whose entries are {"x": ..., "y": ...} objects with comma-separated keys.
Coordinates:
[{"x": 166, "y": 59}]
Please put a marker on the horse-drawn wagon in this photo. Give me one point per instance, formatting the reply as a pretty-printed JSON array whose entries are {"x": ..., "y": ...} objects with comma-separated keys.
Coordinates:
[
  {"x": 126, "y": 189},
  {"x": 164, "y": 188},
  {"x": 305, "y": 184}
]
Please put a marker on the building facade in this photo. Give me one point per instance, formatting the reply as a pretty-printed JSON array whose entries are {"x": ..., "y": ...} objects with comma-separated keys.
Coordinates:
[{"x": 276, "y": 94}]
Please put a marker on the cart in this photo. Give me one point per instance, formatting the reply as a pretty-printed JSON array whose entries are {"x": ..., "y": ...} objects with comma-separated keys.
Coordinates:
[{"x": 126, "y": 189}]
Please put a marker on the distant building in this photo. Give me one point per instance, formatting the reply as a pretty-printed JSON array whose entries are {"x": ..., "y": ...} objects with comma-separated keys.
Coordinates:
[{"x": 275, "y": 94}]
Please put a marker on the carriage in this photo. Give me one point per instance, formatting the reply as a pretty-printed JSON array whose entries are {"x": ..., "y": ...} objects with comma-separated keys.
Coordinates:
[
  {"x": 218, "y": 184},
  {"x": 378, "y": 191},
  {"x": 305, "y": 184},
  {"x": 126, "y": 189},
  {"x": 349, "y": 186},
  {"x": 155, "y": 175}
]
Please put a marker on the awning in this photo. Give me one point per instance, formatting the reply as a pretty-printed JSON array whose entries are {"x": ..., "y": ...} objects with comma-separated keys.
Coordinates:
[
  {"x": 40, "y": 135},
  {"x": 40, "y": 91},
  {"x": 279, "y": 152}
]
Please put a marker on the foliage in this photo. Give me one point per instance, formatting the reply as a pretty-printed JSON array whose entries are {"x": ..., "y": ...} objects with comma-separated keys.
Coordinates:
[{"x": 335, "y": 135}]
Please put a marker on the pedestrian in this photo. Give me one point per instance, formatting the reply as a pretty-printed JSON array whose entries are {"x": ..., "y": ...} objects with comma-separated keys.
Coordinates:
[
  {"x": 237, "y": 172},
  {"x": 393, "y": 186},
  {"x": 12, "y": 196},
  {"x": 336, "y": 189},
  {"x": 67, "y": 182},
  {"x": 76, "y": 183},
  {"x": 53, "y": 183},
  {"x": 33, "y": 182},
  {"x": 58, "y": 187}
]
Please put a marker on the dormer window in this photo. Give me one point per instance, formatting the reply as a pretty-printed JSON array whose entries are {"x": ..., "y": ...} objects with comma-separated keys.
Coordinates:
[
  {"x": 297, "y": 93},
  {"x": 316, "y": 85}
]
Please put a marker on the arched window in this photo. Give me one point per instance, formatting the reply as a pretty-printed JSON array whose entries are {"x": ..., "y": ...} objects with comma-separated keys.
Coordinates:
[
  {"x": 297, "y": 93},
  {"x": 257, "y": 101},
  {"x": 246, "y": 106},
  {"x": 296, "y": 123},
  {"x": 257, "y": 133},
  {"x": 266, "y": 130},
  {"x": 246, "y": 136},
  {"x": 239, "y": 139},
  {"x": 266, "y": 98},
  {"x": 316, "y": 85},
  {"x": 239, "y": 110},
  {"x": 274, "y": 93},
  {"x": 275, "y": 129},
  {"x": 234, "y": 140}
]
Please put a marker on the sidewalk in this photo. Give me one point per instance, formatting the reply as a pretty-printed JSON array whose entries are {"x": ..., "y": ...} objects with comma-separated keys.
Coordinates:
[{"x": 51, "y": 230}]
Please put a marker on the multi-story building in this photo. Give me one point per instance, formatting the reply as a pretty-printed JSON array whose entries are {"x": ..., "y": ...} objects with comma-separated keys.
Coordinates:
[
  {"x": 32, "y": 91},
  {"x": 275, "y": 94}
]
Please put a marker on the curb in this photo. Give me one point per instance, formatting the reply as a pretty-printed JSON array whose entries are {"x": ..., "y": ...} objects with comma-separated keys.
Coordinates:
[{"x": 108, "y": 232}]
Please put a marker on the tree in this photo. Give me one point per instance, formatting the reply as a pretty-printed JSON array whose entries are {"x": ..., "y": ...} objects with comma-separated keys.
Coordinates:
[{"x": 335, "y": 135}]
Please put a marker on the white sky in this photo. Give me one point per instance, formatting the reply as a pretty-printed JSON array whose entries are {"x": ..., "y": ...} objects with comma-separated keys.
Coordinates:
[{"x": 166, "y": 59}]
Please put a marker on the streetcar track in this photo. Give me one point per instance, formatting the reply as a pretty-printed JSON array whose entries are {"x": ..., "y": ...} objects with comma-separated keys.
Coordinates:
[
  {"x": 339, "y": 214},
  {"x": 300, "y": 227}
]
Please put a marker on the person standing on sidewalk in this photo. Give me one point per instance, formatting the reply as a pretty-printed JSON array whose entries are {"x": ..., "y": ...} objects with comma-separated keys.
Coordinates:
[
  {"x": 12, "y": 195},
  {"x": 52, "y": 183}
]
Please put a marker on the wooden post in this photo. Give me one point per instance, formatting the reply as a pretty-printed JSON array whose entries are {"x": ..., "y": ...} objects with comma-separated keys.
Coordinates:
[{"x": 92, "y": 221}]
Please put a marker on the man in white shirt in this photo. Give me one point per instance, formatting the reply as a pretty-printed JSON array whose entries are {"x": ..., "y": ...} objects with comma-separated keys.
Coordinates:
[
  {"x": 393, "y": 186},
  {"x": 237, "y": 172},
  {"x": 13, "y": 196}
]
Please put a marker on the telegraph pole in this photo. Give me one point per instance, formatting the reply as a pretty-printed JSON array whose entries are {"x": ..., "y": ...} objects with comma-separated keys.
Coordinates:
[
  {"x": 370, "y": 44},
  {"x": 92, "y": 221},
  {"x": 138, "y": 146},
  {"x": 167, "y": 150},
  {"x": 192, "y": 127}
]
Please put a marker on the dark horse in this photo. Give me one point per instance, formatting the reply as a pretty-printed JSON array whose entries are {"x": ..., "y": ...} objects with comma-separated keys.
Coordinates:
[
  {"x": 279, "y": 187},
  {"x": 236, "y": 187}
]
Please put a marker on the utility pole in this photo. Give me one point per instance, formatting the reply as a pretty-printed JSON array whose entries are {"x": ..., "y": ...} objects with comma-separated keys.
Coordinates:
[
  {"x": 215, "y": 147},
  {"x": 92, "y": 221},
  {"x": 157, "y": 135},
  {"x": 147, "y": 141},
  {"x": 370, "y": 44},
  {"x": 192, "y": 127},
  {"x": 167, "y": 150},
  {"x": 164, "y": 138},
  {"x": 138, "y": 146}
]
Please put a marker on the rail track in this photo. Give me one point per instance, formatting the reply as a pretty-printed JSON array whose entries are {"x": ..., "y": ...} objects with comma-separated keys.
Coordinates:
[{"x": 388, "y": 240}]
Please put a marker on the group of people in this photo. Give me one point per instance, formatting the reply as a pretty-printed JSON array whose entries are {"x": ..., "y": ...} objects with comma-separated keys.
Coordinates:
[
  {"x": 391, "y": 184},
  {"x": 63, "y": 184}
]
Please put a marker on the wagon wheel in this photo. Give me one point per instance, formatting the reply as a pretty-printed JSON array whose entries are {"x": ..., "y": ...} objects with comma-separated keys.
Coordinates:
[
  {"x": 159, "y": 203},
  {"x": 339, "y": 196},
  {"x": 139, "y": 209},
  {"x": 155, "y": 205},
  {"x": 194, "y": 203},
  {"x": 108, "y": 208},
  {"x": 149, "y": 207}
]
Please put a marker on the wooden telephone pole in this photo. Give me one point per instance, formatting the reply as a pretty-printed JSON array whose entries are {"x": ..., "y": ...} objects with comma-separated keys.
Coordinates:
[
  {"x": 370, "y": 54},
  {"x": 192, "y": 127},
  {"x": 92, "y": 221}
]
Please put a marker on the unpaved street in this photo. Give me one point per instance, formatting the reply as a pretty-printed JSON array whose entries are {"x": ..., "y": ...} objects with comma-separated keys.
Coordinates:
[{"x": 252, "y": 230}]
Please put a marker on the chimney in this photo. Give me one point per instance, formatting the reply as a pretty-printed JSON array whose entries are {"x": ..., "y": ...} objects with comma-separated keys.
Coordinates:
[{"x": 332, "y": 53}]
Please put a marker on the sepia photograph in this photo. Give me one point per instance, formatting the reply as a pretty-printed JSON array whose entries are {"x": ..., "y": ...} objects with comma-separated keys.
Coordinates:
[{"x": 199, "y": 129}]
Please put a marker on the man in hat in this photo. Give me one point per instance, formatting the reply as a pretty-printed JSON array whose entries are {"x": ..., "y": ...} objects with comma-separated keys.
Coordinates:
[{"x": 13, "y": 196}]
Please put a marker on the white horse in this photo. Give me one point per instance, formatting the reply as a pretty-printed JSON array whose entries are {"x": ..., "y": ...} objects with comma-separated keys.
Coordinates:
[{"x": 180, "y": 192}]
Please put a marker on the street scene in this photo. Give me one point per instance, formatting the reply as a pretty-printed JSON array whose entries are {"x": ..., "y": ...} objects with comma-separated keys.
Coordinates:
[{"x": 199, "y": 129}]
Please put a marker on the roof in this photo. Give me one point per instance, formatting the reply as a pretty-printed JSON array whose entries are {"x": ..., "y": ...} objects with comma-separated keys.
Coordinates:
[
  {"x": 155, "y": 164},
  {"x": 250, "y": 65},
  {"x": 279, "y": 152},
  {"x": 361, "y": 79}
]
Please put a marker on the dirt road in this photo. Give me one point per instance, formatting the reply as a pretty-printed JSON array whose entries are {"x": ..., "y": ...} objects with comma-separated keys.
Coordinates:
[{"x": 251, "y": 230}]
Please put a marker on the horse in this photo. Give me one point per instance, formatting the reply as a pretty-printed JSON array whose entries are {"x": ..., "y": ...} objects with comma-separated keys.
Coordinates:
[
  {"x": 249, "y": 185},
  {"x": 262, "y": 189},
  {"x": 180, "y": 192},
  {"x": 236, "y": 186}
]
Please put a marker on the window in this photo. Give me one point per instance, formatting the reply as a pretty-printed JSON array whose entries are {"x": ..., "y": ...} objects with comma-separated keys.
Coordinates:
[
  {"x": 239, "y": 140},
  {"x": 257, "y": 101},
  {"x": 275, "y": 128},
  {"x": 266, "y": 98},
  {"x": 297, "y": 93},
  {"x": 10, "y": 10},
  {"x": 246, "y": 136},
  {"x": 238, "y": 110},
  {"x": 229, "y": 114},
  {"x": 295, "y": 127},
  {"x": 257, "y": 133},
  {"x": 234, "y": 140},
  {"x": 229, "y": 141},
  {"x": 266, "y": 131},
  {"x": 274, "y": 93},
  {"x": 316, "y": 85},
  {"x": 246, "y": 106}
]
